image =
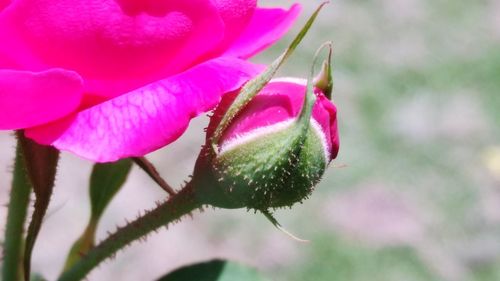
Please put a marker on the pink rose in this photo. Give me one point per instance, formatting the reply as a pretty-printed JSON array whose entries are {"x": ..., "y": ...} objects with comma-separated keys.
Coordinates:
[{"x": 113, "y": 79}]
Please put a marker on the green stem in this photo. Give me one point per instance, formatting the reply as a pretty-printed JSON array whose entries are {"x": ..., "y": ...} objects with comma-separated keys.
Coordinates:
[
  {"x": 18, "y": 206},
  {"x": 177, "y": 206},
  {"x": 82, "y": 245}
]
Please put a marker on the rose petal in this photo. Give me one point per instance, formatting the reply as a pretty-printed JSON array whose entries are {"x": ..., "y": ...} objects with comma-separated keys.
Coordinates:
[
  {"x": 332, "y": 131},
  {"x": 13, "y": 51},
  {"x": 29, "y": 99},
  {"x": 266, "y": 27},
  {"x": 116, "y": 39},
  {"x": 3, "y": 4},
  {"x": 6, "y": 62},
  {"x": 149, "y": 118},
  {"x": 236, "y": 15},
  {"x": 279, "y": 101}
]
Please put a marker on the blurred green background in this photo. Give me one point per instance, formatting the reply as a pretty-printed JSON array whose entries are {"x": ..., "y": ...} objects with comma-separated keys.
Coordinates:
[
  {"x": 418, "y": 90},
  {"x": 414, "y": 194}
]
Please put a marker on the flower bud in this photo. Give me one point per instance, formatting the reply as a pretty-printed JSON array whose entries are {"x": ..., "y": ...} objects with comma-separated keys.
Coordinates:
[{"x": 268, "y": 156}]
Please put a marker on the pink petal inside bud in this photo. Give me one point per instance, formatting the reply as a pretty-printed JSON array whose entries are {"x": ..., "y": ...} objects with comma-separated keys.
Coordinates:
[
  {"x": 247, "y": 137},
  {"x": 277, "y": 105}
]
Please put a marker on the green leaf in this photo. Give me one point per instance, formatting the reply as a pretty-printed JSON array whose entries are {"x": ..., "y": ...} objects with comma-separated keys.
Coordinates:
[
  {"x": 37, "y": 277},
  {"x": 215, "y": 270},
  {"x": 254, "y": 86},
  {"x": 41, "y": 167},
  {"x": 18, "y": 206},
  {"x": 82, "y": 245},
  {"x": 105, "y": 181}
]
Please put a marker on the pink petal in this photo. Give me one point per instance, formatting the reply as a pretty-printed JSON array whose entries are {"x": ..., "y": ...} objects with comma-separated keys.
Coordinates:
[
  {"x": 149, "y": 118},
  {"x": 6, "y": 62},
  {"x": 3, "y": 4},
  {"x": 279, "y": 101},
  {"x": 14, "y": 53},
  {"x": 330, "y": 113},
  {"x": 116, "y": 39},
  {"x": 30, "y": 99},
  {"x": 236, "y": 15},
  {"x": 266, "y": 27}
]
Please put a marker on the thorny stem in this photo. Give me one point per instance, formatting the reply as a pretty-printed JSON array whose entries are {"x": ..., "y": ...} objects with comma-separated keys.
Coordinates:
[
  {"x": 18, "y": 206},
  {"x": 177, "y": 206}
]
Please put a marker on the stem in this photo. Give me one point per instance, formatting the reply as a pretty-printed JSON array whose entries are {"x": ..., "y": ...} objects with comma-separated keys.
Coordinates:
[
  {"x": 18, "y": 206},
  {"x": 177, "y": 206},
  {"x": 82, "y": 246}
]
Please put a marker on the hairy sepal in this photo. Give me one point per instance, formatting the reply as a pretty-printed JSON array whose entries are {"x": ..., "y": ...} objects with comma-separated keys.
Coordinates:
[{"x": 273, "y": 170}]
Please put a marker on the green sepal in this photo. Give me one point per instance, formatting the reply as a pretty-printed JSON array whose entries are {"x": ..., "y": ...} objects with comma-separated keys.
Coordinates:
[
  {"x": 269, "y": 216},
  {"x": 275, "y": 170},
  {"x": 152, "y": 172},
  {"x": 254, "y": 86},
  {"x": 41, "y": 167},
  {"x": 324, "y": 80},
  {"x": 305, "y": 114}
]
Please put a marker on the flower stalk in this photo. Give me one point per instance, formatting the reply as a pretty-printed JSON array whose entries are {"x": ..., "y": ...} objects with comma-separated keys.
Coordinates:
[{"x": 172, "y": 210}]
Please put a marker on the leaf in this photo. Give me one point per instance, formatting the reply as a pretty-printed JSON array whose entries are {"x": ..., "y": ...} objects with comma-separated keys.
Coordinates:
[
  {"x": 37, "y": 277},
  {"x": 254, "y": 86},
  {"x": 41, "y": 166},
  {"x": 215, "y": 270},
  {"x": 105, "y": 181}
]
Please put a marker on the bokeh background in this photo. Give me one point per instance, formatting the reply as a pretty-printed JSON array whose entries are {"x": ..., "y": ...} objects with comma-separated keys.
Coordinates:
[{"x": 414, "y": 194}]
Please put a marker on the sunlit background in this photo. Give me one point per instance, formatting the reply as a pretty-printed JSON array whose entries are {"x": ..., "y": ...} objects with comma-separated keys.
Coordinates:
[{"x": 414, "y": 194}]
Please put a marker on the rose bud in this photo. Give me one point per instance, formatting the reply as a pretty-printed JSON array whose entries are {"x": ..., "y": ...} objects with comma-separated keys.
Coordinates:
[{"x": 273, "y": 152}]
